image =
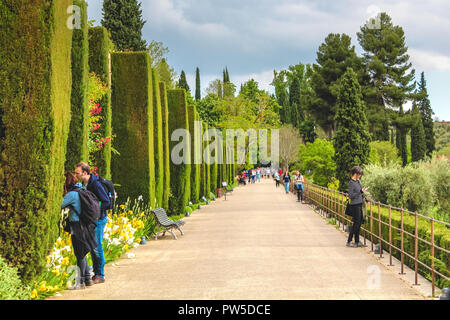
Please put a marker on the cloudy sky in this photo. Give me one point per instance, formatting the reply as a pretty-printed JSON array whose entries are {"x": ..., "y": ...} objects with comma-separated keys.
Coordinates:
[{"x": 254, "y": 37}]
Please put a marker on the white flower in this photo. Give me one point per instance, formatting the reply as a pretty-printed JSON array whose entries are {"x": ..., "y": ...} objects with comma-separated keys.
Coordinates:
[{"x": 131, "y": 255}]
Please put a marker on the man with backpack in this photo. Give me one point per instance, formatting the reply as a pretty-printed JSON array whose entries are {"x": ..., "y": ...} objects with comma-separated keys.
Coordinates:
[{"x": 93, "y": 184}]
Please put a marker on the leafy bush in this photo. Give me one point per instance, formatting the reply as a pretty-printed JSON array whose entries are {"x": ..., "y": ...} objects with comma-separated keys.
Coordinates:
[
  {"x": 11, "y": 287},
  {"x": 420, "y": 186},
  {"x": 383, "y": 153}
]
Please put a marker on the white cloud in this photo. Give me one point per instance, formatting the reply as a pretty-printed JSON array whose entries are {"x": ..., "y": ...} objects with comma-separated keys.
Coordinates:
[{"x": 429, "y": 60}]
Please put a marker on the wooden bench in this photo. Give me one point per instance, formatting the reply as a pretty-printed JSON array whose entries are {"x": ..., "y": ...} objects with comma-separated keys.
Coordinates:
[{"x": 166, "y": 223}]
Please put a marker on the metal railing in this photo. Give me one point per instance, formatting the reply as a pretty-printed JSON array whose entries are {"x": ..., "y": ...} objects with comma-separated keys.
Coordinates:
[{"x": 331, "y": 203}]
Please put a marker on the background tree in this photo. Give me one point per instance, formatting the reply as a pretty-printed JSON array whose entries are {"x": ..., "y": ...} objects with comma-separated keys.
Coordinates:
[
  {"x": 215, "y": 87},
  {"x": 418, "y": 143},
  {"x": 351, "y": 142},
  {"x": 290, "y": 141},
  {"x": 387, "y": 83},
  {"x": 166, "y": 74},
  {"x": 198, "y": 94},
  {"x": 334, "y": 56},
  {"x": 123, "y": 19},
  {"x": 426, "y": 115},
  {"x": 383, "y": 153},
  {"x": 182, "y": 83},
  {"x": 157, "y": 51}
]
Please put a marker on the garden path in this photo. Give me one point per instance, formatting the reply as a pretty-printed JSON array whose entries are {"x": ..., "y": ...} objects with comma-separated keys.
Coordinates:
[{"x": 258, "y": 244}]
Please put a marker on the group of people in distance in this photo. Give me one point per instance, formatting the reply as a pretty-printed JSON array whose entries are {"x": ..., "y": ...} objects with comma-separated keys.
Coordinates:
[{"x": 86, "y": 238}]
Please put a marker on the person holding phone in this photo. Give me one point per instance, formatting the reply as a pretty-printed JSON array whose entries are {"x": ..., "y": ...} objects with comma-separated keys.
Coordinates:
[{"x": 355, "y": 193}]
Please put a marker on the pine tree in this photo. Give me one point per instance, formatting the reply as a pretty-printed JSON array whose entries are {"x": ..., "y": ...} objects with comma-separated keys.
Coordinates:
[
  {"x": 426, "y": 115},
  {"x": 123, "y": 19},
  {"x": 182, "y": 83},
  {"x": 418, "y": 143},
  {"x": 334, "y": 56},
  {"x": 351, "y": 142},
  {"x": 197, "y": 85},
  {"x": 387, "y": 82}
]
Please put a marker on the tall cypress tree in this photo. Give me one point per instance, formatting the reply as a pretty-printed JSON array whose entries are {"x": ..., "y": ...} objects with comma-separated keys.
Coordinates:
[
  {"x": 123, "y": 18},
  {"x": 418, "y": 144},
  {"x": 182, "y": 83},
  {"x": 297, "y": 115},
  {"x": 197, "y": 85},
  {"x": 426, "y": 115},
  {"x": 351, "y": 142}
]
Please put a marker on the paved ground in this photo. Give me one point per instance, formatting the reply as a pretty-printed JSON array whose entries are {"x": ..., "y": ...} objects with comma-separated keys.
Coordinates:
[{"x": 259, "y": 244}]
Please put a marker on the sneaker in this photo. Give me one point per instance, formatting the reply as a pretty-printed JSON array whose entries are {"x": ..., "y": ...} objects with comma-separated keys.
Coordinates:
[
  {"x": 360, "y": 244},
  {"x": 96, "y": 280},
  {"x": 351, "y": 244},
  {"x": 89, "y": 283}
]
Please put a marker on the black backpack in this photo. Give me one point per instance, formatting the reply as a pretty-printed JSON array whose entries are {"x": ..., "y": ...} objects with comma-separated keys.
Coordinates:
[
  {"x": 109, "y": 188},
  {"x": 90, "y": 207}
]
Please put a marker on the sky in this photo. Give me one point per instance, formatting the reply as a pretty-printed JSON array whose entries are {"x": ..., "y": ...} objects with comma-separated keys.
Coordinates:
[{"x": 254, "y": 37}]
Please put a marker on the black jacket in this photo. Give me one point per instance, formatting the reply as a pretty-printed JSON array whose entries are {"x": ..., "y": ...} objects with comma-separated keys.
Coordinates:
[{"x": 94, "y": 185}]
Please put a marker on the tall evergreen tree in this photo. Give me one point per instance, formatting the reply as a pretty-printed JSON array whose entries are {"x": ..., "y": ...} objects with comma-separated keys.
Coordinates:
[
  {"x": 123, "y": 18},
  {"x": 418, "y": 143},
  {"x": 334, "y": 56},
  {"x": 388, "y": 81},
  {"x": 351, "y": 142},
  {"x": 197, "y": 85},
  {"x": 427, "y": 115},
  {"x": 182, "y": 83},
  {"x": 297, "y": 115}
]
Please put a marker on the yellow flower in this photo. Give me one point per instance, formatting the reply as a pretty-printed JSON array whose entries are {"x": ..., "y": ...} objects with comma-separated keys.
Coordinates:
[
  {"x": 122, "y": 206},
  {"x": 65, "y": 274},
  {"x": 34, "y": 294},
  {"x": 125, "y": 247},
  {"x": 65, "y": 261},
  {"x": 55, "y": 271}
]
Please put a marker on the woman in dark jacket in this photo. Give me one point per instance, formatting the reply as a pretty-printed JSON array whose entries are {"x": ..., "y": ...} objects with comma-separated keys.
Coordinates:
[
  {"x": 355, "y": 193},
  {"x": 83, "y": 237}
]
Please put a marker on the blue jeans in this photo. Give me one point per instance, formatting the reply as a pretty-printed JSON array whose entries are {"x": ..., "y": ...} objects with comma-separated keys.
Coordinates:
[
  {"x": 286, "y": 184},
  {"x": 98, "y": 257}
]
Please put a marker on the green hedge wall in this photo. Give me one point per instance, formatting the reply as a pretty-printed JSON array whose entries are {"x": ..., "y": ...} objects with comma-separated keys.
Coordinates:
[
  {"x": 195, "y": 168},
  {"x": 166, "y": 144},
  {"x": 132, "y": 101},
  {"x": 158, "y": 140},
  {"x": 100, "y": 46},
  {"x": 36, "y": 80},
  {"x": 77, "y": 149},
  {"x": 180, "y": 174},
  {"x": 214, "y": 166},
  {"x": 206, "y": 168}
]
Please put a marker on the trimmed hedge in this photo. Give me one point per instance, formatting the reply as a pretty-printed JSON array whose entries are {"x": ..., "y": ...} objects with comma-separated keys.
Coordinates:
[
  {"x": 36, "y": 80},
  {"x": 166, "y": 144},
  {"x": 441, "y": 238},
  {"x": 132, "y": 101},
  {"x": 214, "y": 166},
  {"x": 206, "y": 168},
  {"x": 77, "y": 142},
  {"x": 158, "y": 140},
  {"x": 195, "y": 167},
  {"x": 99, "y": 48},
  {"x": 180, "y": 174}
]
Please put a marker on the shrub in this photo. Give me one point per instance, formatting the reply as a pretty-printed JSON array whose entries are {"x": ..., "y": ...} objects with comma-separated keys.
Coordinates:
[
  {"x": 166, "y": 145},
  {"x": 35, "y": 78},
  {"x": 11, "y": 287},
  {"x": 158, "y": 139},
  {"x": 132, "y": 121},
  {"x": 383, "y": 153},
  {"x": 100, "y": 47},
  {"x": 195, "y": 167},
  {"x": 77, "y": 141},
  {"x": 180, "y": 174}
]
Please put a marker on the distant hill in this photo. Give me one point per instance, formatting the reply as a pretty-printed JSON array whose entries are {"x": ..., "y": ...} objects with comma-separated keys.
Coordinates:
[{"x": 442, "y": 135}]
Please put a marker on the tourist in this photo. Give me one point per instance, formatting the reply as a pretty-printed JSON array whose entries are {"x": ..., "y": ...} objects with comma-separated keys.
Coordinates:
[
  {"x": 82, "y": 236},
  {"x": 355, "y": 193},
  {"x": 286, "y": 180},
  {"x": 299, "y": 186},
  {"x": 277, "y": 179},
  {"x": 92, "y": 183},
  {"x": 258, "y": 174}
]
